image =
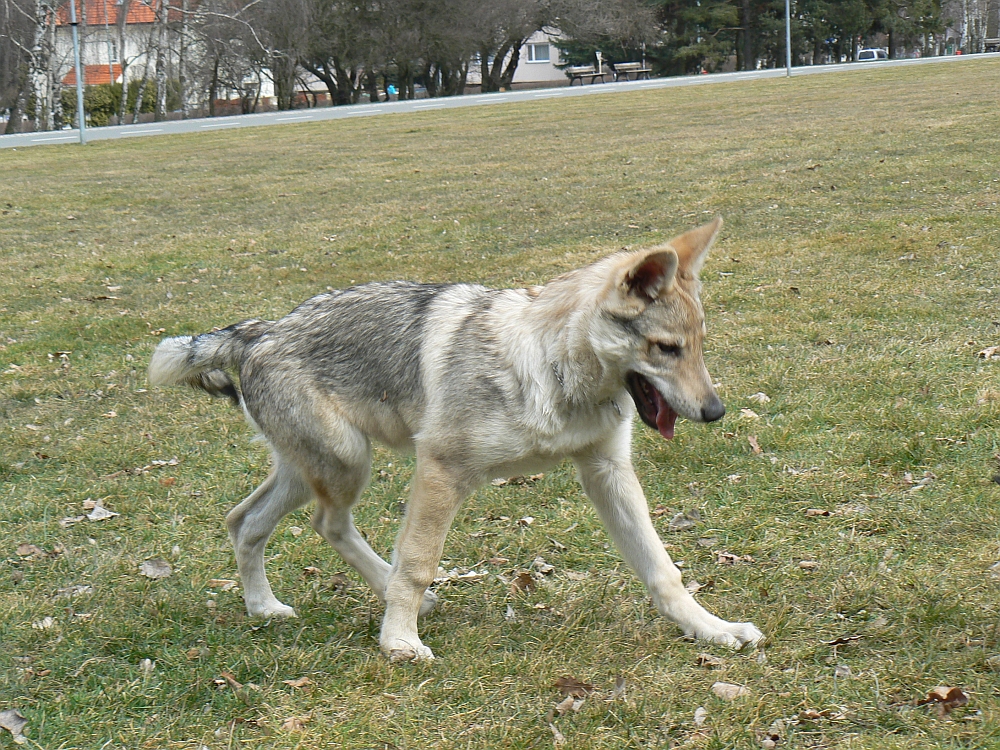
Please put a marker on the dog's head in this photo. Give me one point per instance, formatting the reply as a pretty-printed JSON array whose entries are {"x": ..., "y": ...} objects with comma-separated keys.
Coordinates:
[{"x": 653, "y": 307}]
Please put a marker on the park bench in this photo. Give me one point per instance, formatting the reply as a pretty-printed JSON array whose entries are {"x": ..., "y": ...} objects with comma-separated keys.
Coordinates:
[
  {"x": 579, "y": 72},
  {"x": 624, "y": 71}
]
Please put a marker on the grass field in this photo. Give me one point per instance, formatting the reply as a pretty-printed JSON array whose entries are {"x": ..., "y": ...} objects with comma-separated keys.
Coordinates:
[{"x": 855, "y": 282}]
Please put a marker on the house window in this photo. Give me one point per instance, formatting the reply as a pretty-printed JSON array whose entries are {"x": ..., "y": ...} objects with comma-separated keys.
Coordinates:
[{"x": 538, "y": 52}]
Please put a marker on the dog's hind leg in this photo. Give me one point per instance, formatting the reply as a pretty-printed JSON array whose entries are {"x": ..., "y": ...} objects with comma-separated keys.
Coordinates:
[
  {"x": 610, "y": 482},
  {"x": 250, "y": 525},
  {"x": 344, "y": 479}
]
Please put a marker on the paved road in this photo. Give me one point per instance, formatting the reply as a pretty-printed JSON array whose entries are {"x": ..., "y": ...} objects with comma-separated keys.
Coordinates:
[{"x": 418, "y": 105}]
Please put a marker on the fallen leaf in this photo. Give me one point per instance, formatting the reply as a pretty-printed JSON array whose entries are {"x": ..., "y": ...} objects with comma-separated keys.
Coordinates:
[
  {"x": 522, "y": 582},
  {"x": 728, "y": 691},
  {"x": 680, "y": 523},
  {"x": 693, "y": 587},
  {"x": 526, "y": 521},
  {"x": 843, "y": 640},
  {"x": 813, "y": 512},
  {"x": 100, "y": 513},
  {"x": 46, "y": 623},
  {"x": 565, "y": 705},
  {"x": 945, "y": 699},
  {"x": 708, "y": 541},
  {"x": 619, "y": 690},
  {"x": 295, "y": 530},
  {"x": 70, "y": 520},
  {"x": 295, "y": 723},
  {"x": 710, "y": 661},
  {"x": 73, "y": 591},
  {"x": 754, "y": 445},
  {"x": 542, "y": 567},
  {"x": 29, "y": 550},
  {"x": 510, "y": 615},
  {"x": 558, "y": 740},
  {"x": 13, "y": 722},
  {"x": 168, "y": 481},
  {"x": 227, "y": 678},
  {"x": 572, "y": 686},
  {"x": 760, "y": 397},
  {"x": 311, "y": 570},
  {"x": 700, "y": 716},
  {"x": 808, "y": 564},
  {"x": 990, "y": 352},
  {"x": 301, "y": 682},
  {"x": 728, "y": 558},
  {"x": 749, "y": 413},
  {"x": 156, "y": 568},
  {"x": 340, "y": 582},
  {"x": 842, "y": 672}
]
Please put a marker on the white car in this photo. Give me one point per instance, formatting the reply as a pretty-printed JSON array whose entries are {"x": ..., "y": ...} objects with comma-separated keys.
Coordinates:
[{"x": 870, "y": 55}]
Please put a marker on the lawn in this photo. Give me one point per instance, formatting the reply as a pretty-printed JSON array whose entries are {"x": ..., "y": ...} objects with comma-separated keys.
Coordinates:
[{"x": 854, "y": 286}]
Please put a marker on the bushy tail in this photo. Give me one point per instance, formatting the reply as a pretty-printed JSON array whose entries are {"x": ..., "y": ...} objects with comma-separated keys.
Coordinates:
[{"x": 200, "y": 361}]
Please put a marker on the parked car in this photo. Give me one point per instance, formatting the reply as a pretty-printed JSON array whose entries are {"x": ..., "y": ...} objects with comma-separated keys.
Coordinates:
[{"x": 870, "y": 55}]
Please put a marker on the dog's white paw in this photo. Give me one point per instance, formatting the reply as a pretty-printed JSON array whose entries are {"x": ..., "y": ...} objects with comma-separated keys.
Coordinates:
[
  {"x": 430, "y": 601},
  {"x": 270, "y": 609},
  {"x": 732, "y": 634},
  {"x": 399, "y": 650}
]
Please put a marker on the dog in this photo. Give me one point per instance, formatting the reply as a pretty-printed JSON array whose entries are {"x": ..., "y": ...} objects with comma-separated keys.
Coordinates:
[{"x": 479, "y": 383}]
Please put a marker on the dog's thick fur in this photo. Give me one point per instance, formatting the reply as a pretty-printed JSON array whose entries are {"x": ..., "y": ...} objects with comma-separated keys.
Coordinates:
[{"x": 480, "y": 383}]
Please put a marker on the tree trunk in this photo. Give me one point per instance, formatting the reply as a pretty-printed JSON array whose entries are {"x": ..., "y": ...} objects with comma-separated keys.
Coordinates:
[
  {"x": 746, "y": 21},
  {"x": 161, "y": 62},
  {"x": 213, "y": 88},
  {"x": 182, "y": 62},
  {"x": 16, "y": 112},
  {"x": 507, "y": 78}
]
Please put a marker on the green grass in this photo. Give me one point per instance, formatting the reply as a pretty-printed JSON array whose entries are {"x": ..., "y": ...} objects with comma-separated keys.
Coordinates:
[{"x": 854, "y": 284}]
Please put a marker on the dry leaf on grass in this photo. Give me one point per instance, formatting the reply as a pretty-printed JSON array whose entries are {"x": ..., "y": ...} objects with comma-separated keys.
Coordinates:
[
  {"x": 710, "y": 661},
  {"x": 700, "y": 716},
  {"x": 749, "y": 414},
  {"x": 808, "y": 564},
  {"x": 684, "y": 521},
  {"x": 944, "y": 699},
  {"x": 223, "y": 584},
  {"x": 572, "y": 686},
  {"x": 156, "y": 568},
  {"x": 728, "y": 558},
  {"x": 226, "y": 678},
  {"x": 30, "y": 550},
  {"x": 990, "y": 352},
  {"x": 311, "y": 570},
  {"x": 301, "y": 682},
  {"x": 754, "y": 445},
  {"x": 619, "y": 690},
  {"x": 728, "y": 691},
  {"x": 814, "y": 512},
  {"x": 542, "y": 567},
  {"x": 522, "y": 582},
  {"x": 296, "y": 723},
  {"x": 558, "y": 740},
  {"x": 568, "y": 704},
  {"x": 13, "y": 722},
  {"x": 46, "y": 623},
  {"x": 843, "y": 640}
]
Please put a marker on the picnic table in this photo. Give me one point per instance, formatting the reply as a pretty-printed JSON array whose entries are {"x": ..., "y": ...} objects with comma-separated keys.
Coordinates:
[
  {"x": 579, "y": 72},
  {"x": 627, "y": 69}
]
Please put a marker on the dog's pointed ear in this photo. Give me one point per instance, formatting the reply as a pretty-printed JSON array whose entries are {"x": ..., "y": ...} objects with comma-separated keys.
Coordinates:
[
  {"x": 650, "y": 274},
  {"x": 692, "y": 247},
  {"x": 641, "y": 278}
]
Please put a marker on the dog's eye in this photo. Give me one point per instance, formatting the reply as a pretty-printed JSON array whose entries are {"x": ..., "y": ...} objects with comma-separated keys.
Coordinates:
[{"x": 672, "y": 350}]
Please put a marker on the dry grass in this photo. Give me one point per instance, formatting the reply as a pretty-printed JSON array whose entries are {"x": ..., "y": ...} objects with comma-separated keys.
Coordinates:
[{"x": 855, "y": 282}]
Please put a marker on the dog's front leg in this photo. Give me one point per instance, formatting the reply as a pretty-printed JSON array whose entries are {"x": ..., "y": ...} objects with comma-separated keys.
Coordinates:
[
  {"x": 435, "y": 498},
  {"x": 610, "y": 482}
]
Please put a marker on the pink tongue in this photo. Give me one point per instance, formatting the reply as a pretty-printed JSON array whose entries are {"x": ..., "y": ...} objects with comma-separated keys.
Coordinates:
[{"x": 665, "y": 416}]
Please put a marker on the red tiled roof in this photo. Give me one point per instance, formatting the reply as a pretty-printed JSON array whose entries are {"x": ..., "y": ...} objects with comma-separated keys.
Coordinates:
[
  {"x": 94, "y": 75},
  {"x": 101, "y": 12}
]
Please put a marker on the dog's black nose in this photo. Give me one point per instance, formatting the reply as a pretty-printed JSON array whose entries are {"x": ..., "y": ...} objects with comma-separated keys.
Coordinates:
[{"x": 714, "y": 411}]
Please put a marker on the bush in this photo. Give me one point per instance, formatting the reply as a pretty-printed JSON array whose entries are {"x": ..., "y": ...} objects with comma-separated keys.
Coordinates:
[{"x": 100, "y": 102}]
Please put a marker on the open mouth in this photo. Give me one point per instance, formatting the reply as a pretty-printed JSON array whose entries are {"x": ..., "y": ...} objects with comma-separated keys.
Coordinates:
[{"x": 653, "y": 408}]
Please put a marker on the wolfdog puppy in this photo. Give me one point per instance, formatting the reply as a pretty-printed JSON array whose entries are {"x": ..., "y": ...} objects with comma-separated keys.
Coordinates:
[{"x": 478, "y": 383}]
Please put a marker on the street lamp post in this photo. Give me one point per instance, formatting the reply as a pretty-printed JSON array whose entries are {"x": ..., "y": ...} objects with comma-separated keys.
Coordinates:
[
  {"x": 79, "y": 73},
  {"x": 788, "y": 38}
]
